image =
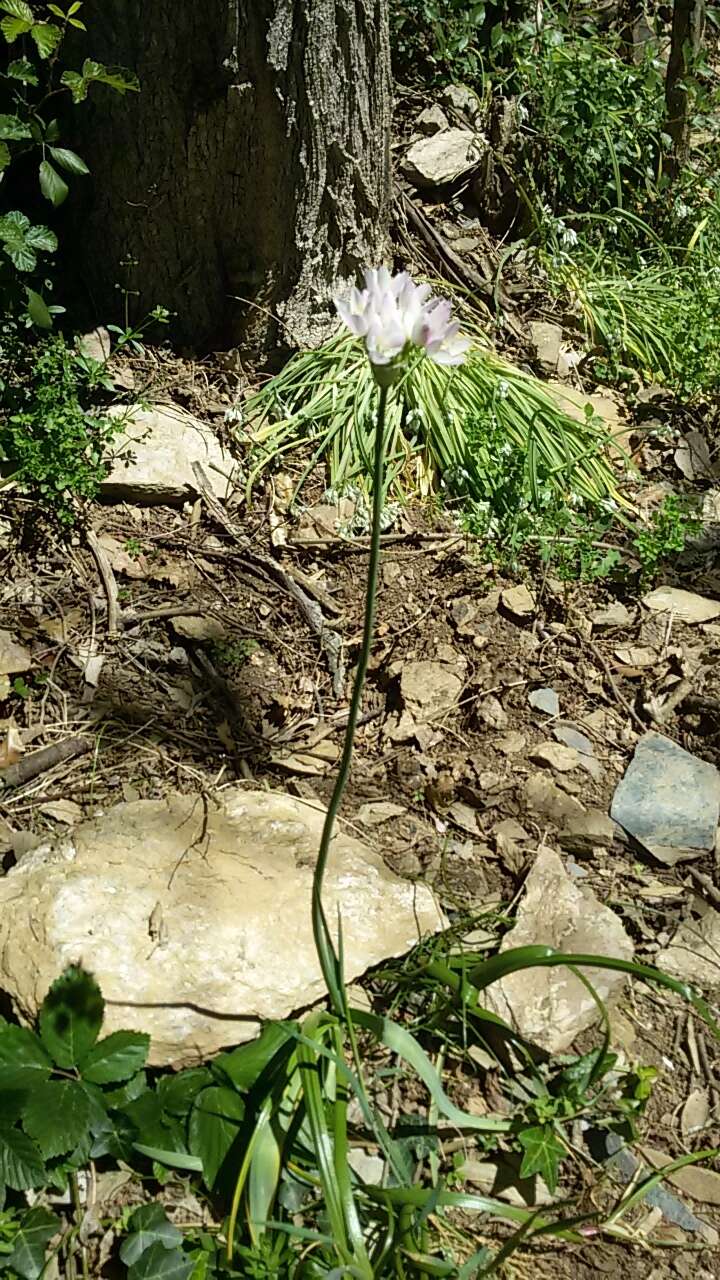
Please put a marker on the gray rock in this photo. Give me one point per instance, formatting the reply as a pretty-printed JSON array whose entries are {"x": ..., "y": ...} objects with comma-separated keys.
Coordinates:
[
  {"x": 432, "y": 120},
  {"x": 546, "y": 799},
  {"x": 572, "y": 737},
  {"x": 585, "y": 832},
  {"x": 545, "y": 700},
  {"x": 154, "y": 453},
  {"x": 686, "y": 606},
  {"x": 551, "y": 1006},
  {"x": 432, "y": 162},
  {"x": 547, "y": 339},
  {"x": 462, "y": 100},
  {"x": 613, "y": 615},
  {"x": 180, "y": 922},
  {"x": 693, "y": 955},
  {"x": 668, "y": 800}
]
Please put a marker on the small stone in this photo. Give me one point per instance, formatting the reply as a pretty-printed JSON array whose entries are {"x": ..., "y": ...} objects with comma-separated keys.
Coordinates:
[
  {"x": 545, "y": 700},
  {"x": 435, "y": 161},
  {"x": 694, "y": 953},
  {"x": 519, "y": 602},
  {"x": 686, "y": 606},
  {"x": 572, "y": 737},
  {"x": 551, "y": 1006},
  {"x": 544, "y": 798},
  {"x": 429, "y": 689},
  {"x": 546, "y": 338},
  {"x": 492, "y": 713},
  {"x": 379, "y": 811},
  {"x": 512, "y": 743},
  {"x": 668, "y": 800},
  {"x": 432, "y": 120},
  {"x": 95, "y": 345},
  {"x": 510, "y": 828},
  {"x": 461, "y": 99},
  {"x": 637, "y": 656},
  {"x": 613, "y": 615},
  {"x": 153, "y": 455},
  {"x": 555, "y": 755},
  {"x": 584, "y": 832},
  {"x": 199, "y": 629}
]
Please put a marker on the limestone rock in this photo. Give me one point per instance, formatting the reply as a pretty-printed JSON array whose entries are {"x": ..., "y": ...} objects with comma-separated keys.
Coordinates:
[
  {"x": 585, "y": 832},
  {"x": 693, "y": 955},
  {"x": 432, "y": 120},
  {"x": 14, "y": 657},
  {"x": 196, "y": 935},
  {"x": 685, "y": 605},
  {"x": 545, "y": 700},
  {"x": 546, "y": 338},
  {"x": 154, "y": 452},
  {"x": 555, "y": 755},
  {"x": 461, "y": 100},
  {"x": 613, "y": 615},
  {"x": 431, "y": 162},
  {"x": 429, "y": 689},
  {"x": 545, "y": 798},
  {"x": 519, "y": 602},
  {"x": 551, "y": 1006}
]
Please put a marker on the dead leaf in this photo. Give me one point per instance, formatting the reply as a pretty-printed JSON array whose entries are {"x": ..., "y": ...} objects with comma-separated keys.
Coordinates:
[
  {"x": 11, "y": 744},
  {"x": 692, "y": 457},
  {"x": 14, "y": 657},
  {"x": 66, "y": 811}
]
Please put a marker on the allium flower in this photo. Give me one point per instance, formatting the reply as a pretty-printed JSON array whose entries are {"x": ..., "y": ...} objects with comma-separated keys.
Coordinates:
[{"x": 394, "y": 315}]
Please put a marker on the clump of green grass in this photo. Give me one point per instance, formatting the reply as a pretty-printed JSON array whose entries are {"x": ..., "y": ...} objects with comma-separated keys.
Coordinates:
[{"x": 326, "y": 399}]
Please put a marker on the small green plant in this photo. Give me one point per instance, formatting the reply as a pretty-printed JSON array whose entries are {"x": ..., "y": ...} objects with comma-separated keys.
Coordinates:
[
  {"x": 665, "y": 535},
  {"x": 32, "y": 83},
  {"x": 436, "y": 40},
  {"x": 51, "y": 445},
  {"x": 234, "y": 653}
]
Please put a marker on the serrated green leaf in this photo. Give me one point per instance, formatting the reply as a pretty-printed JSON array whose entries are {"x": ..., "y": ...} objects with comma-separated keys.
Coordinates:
[
  {"x": 542, "y": 1153},
  {"x": 18, "y": 9},
  {"x": 37, "y": 1227},
  {"x": 23, "y": 69},
  {"x": 77, "y": 85},
  {"x": 47, "y": 37},
  {"x": 23, "y": 258},
  {"x": 159, "y": 1263},
  {"x": 37, "y": 310},
  {"x": 69, "y": 160},
  {"x": 118, "y": 1098},
  {"x": 116, "y": 77},
  {"x": 23, "y": 1060},
  {"x": 14, "y": 27},
  {"x": 178, "y": 1092},
  {"x": 148, "y": 1225},
  {"x": 71, "y": 1017},
  {"x": 42, "y": 238},
  {"x": 56, "y": 1116},
  {"x": 21, "y": 1165},
  {"x": 215, "y": 1122},
  {"x": 52, "y": 185},
  {"x": 13, "y": 127},
  {"x": 118, "y": 1057}
]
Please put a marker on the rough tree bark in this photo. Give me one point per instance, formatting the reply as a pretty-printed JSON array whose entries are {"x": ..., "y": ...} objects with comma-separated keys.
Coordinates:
[
  {"x": 688, "y": 27},
  {"x": 254, "y": 163}
]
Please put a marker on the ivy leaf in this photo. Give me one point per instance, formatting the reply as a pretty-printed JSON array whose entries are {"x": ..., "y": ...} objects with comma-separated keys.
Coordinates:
[
  {"x": 23, "y": 69},
  {"x": 148, "y": 1225},
  {"x": 21, "y": 1165},
  {"x": 13, "y": 127},
  {"x": 214, "y": 1125},
  {"x": 37, "y": 310},
  {"x": 71, "y": 1017},
  {"x": 543, "y": 1153},
  {"x": 14, "y": 27},
  {"x": 68, "y": 160},
  {"x": 118, "y": 1057},
  {"x": 23, "y": 1060},
  {"x": 159, "y": 1263},
  {"x": 36, "y": 1228},
  {"x": 52, "y": 185},
  {"x": 18, "y": 9},
  {"x": 47, "y": 37},
  {"x": 57, "y": 1116}
]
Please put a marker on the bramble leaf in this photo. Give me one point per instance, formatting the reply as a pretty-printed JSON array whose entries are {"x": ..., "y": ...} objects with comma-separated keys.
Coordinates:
[{"x": 71, "y": 1017}]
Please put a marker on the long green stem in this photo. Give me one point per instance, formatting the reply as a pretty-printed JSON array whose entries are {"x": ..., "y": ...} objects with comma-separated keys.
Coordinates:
[{"x": 329, "y": 961}]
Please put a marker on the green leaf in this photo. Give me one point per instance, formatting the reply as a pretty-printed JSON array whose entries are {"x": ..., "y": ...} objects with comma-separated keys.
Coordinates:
[
  {"x": 244, "y": 1066},
  {"x": 57, "y": 1116},
  {"x": 159, "y": 1263},
  {"x": 52, "y": 185},
  {"x": 71, "y": 1017},
  {"x": 23, "y": 1060},
  {"x": 14, "y": 27},
  {"x": 178, "y": 1092},
  {"x": 23, "y": 69},
  {"x": 27, "y": 1258},
  {"x": 148, "y": 1225},
  {"x": 47, "y": 38},
  {"x": 37, "y": 310},
  {"x": 13, "y": 127},
  {"x": 4, "y": 156},
  {"x": 543, "y": 1153},
  {"x": 41, "y": 238},
  {"x": 69, "y": 160},
  {"x": 18, "y": 9},
  {"x": 215, "y": 1123},
  {"x": 77, "y": 85},
  {"x": 173, "y": 1159},
  {"x": 118, "y": 1057},
  {"x": 116, "y": 77},
  {"x": 128, "y": 1092},
  {"x": 21, "y": 1165}
]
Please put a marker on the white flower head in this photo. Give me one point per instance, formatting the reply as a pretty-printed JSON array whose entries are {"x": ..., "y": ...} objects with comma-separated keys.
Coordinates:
[{"x": 393, "y": 315}]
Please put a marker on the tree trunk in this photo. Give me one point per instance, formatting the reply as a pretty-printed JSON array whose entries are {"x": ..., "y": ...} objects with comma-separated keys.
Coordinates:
[
  {"x": 688, "y": 26},
  {"x": 250, "y": 174}
]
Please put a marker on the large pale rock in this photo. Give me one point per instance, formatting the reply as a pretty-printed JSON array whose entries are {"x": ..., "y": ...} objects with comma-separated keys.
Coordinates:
[
  {"x": 551, "y": 1006},
  {"x": 154, "y": 452},
  {"x": 197, "y": 932}
]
